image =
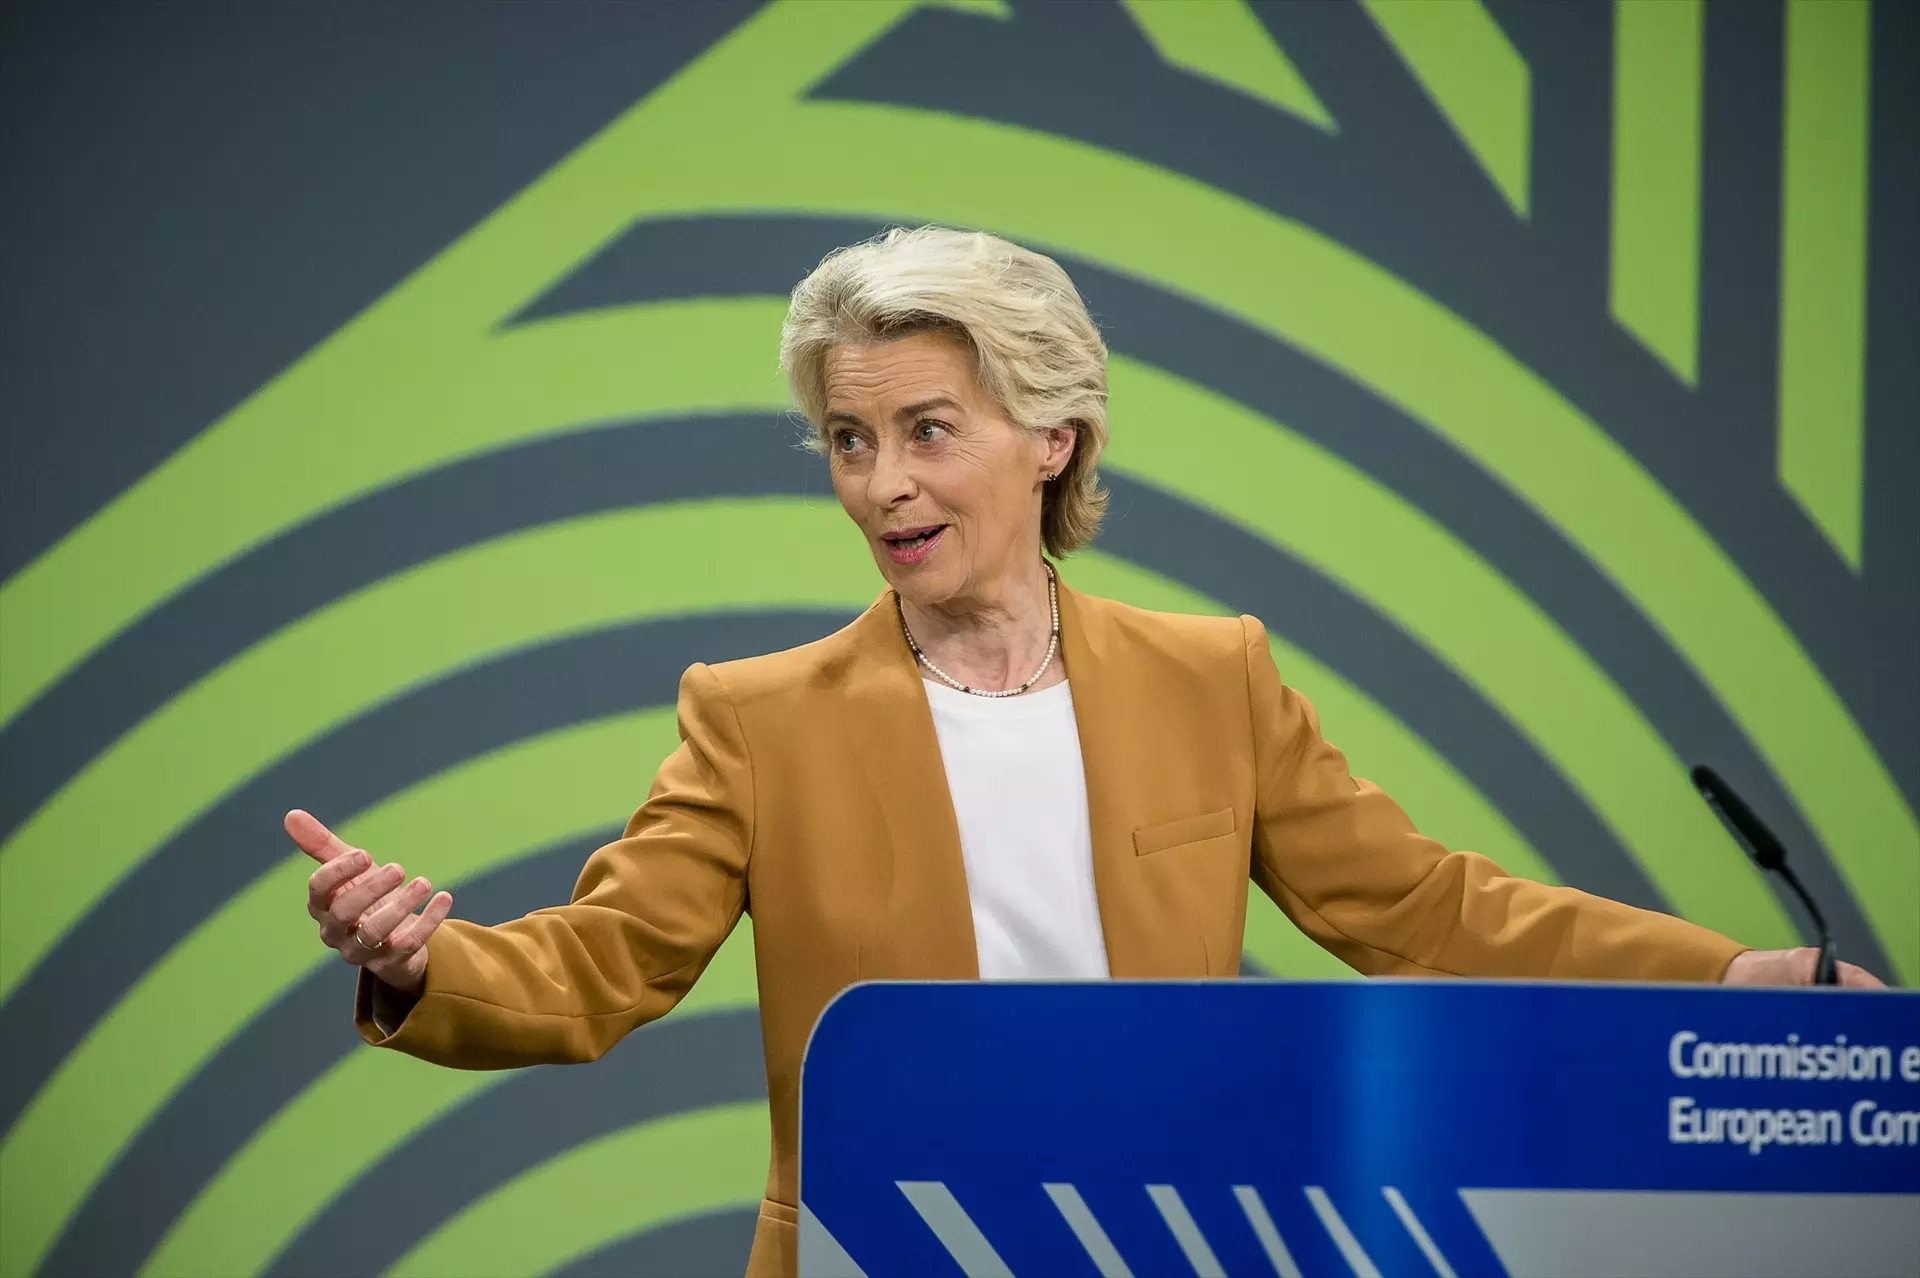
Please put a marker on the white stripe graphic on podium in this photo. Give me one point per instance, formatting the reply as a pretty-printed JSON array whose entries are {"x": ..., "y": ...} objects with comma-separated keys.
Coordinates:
[
  {"x": 1419, "y": 1232},
  {"x": 1185, "y": 1231},
  {"x": 1080, "y": 1219},
  {"x": 1265, "y": 1230},
  {"x": 954, "y": 1228},
  {"x": 821, "y": 1255},
  {"x": 1357, "y": 1258}
]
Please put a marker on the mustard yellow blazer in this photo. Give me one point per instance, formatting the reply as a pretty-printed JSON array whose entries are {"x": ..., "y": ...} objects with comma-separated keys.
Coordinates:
[{"x": 809, "y": 791}]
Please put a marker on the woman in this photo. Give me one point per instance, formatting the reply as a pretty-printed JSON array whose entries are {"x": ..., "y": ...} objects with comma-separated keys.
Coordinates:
[{"x": 987, "y": 774}]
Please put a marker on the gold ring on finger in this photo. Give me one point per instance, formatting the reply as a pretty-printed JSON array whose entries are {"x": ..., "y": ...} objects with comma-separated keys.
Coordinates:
[{"x": 361, "y": 936}]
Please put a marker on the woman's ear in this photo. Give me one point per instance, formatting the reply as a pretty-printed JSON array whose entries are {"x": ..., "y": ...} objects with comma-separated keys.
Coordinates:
[{"x": 1059, "y": 449}]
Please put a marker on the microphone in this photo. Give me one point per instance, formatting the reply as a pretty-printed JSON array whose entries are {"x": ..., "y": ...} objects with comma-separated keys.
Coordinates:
[{"x": 1767, "y": 853}]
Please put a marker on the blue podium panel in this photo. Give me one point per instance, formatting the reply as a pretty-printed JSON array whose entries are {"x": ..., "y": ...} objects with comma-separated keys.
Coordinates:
[{"x": 1368, "y": 1127}]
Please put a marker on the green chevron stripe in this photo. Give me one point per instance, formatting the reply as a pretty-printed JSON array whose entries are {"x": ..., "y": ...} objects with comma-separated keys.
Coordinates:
[
  {"x": 1823, "y": 266},
  {"x": 1474, "y": 75},
  {"x": 997, "y": 9},
  {"x": 1225, "y": 42},
  {"x": 392, "y": 636},
  {"x": 607, "y": 1189},
  {"x": 578, "y": 367},
  {"x": 1654, "y": 269},
  {"x": 351, "y": 418},
  {"x": 167, "y": 1022},
  {"x": 1338, "y": 519},
  {"x": 295, "y": 1167},
  {"x": 477, "y": 818},
  {"x": 463, "y": 822}
]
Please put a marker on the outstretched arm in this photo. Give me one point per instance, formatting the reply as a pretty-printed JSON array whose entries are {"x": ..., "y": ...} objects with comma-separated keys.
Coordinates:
[
  {"x": 1348, "y": 867},
  {"x": 648, "y": 913}
]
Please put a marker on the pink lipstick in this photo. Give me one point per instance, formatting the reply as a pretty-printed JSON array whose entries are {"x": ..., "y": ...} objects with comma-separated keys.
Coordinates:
[{"x": 912, "y": 545}]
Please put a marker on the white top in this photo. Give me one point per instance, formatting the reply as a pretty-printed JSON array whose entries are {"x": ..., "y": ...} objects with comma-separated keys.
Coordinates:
[{"x": 1020, "y": 792}]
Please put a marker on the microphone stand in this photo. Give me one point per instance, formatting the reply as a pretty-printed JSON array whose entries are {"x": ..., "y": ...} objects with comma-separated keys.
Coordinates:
[
  {"x": 1825, "y": 970},
  {"x": 1769, "y": 854}
]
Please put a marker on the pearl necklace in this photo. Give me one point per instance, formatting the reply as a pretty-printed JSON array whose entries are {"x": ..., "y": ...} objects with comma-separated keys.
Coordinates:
[{"x": 1053, "y": 646}]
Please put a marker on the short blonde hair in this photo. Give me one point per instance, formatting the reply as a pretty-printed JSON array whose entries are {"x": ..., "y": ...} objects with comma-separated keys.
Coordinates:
[{"x": 1036, "y": 350}]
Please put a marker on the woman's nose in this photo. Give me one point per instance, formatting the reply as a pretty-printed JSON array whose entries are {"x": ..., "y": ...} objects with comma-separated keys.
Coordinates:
[{"x": 891, "y": 480}]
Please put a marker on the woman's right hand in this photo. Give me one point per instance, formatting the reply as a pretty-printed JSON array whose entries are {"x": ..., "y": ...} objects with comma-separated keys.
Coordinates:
[{"x": 366, "y": 912}]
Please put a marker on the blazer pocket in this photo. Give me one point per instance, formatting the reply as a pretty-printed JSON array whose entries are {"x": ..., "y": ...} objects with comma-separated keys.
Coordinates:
[{"x": 1173, "y": 834}]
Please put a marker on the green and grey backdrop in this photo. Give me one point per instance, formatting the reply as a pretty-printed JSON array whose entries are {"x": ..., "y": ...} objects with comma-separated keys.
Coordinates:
[{"x": 391, "y": 413}]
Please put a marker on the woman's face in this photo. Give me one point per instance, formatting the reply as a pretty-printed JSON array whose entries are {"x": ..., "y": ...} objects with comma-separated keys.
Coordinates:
[{"x": 945, "y": 488}]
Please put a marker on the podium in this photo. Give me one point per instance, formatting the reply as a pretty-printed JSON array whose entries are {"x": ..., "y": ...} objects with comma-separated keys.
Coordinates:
[{"x": 1360, "y": 1128}]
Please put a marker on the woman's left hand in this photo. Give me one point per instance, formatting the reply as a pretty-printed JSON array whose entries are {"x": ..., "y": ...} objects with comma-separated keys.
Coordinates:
[{"x": 1792, "y": 967}]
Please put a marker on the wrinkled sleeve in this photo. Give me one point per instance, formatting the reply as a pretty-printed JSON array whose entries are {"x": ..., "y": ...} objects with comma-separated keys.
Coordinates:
[
  {"x": 648, "y": 913},
  {"x": 1347, "y": 866}
]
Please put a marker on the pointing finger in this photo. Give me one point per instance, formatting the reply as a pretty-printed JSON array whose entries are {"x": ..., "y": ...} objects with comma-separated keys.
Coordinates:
[{"x": 315, "y": 839}]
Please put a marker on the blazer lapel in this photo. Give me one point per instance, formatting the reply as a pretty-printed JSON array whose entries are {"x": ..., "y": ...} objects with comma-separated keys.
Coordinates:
[
  {"x": 925, "y": 930},
  {"x": 1116, "y": 727}
]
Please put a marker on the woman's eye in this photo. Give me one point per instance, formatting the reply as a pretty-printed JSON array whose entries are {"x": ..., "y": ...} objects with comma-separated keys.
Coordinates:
[
  {"x": 846, "y": 441},
  {"x": 926, "y": 430}
]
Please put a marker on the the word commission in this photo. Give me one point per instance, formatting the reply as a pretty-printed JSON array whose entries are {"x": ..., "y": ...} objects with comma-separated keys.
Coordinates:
[{"x": 1862, "y": 1122}]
